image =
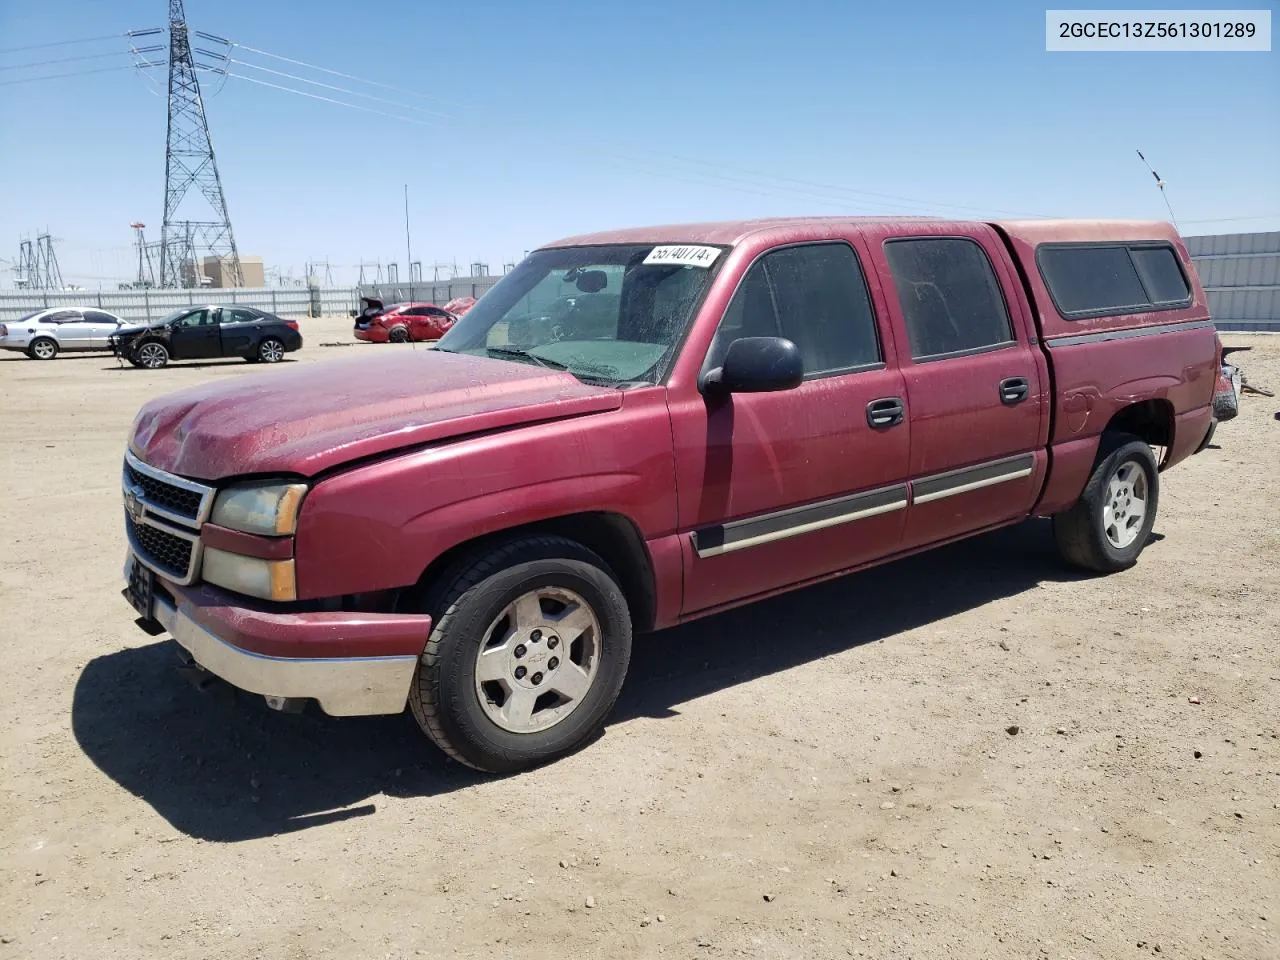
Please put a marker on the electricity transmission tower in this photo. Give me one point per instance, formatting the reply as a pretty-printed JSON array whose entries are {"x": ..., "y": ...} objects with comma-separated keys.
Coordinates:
[
  {"x": 146, "y": 269},
  {"x": 188, "y": 163},
  {"x": 38, "y": 265}
]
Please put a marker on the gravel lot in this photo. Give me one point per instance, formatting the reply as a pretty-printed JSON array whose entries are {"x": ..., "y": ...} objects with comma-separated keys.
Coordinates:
[{"x": 832, "y": 773}]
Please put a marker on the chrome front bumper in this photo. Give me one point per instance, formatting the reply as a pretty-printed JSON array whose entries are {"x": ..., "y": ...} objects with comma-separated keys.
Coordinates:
[{"x": 343, "y": 687}]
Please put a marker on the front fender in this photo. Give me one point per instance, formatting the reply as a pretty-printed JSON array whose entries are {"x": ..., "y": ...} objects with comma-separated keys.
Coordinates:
[{"x": 380, "y": 525}]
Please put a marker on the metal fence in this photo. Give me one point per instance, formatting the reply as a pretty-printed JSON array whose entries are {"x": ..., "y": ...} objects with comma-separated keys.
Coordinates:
[
  {"x": 1241, "y": 277},
  {"x": 438, "y": 292},
  {"x": 153, "y": 304}
]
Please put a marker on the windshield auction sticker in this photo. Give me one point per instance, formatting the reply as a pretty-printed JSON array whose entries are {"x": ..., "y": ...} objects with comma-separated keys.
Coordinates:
[
  {"x": 1115, "y": 31},
  {"x": 683, "y": 256}
]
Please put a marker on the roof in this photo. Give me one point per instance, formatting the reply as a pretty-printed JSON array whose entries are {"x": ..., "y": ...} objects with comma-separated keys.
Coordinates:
[
  {"x": 725, "y": 232},
  {"x": 733, "y": 232}
]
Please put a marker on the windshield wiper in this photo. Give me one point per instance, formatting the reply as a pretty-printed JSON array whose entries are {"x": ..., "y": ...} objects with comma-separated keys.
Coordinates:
[{"x": 517, "y": 352}]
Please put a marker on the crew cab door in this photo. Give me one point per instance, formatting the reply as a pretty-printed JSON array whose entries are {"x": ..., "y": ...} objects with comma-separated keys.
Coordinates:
[
  {"x": 778, "y": 488},
  {"x": 196, "y": 335},
  {"x": 976, "y": 381}
]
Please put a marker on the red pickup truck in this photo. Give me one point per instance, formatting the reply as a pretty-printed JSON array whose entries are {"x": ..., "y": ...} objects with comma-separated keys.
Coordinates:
[{"x": 637, "y": 428}]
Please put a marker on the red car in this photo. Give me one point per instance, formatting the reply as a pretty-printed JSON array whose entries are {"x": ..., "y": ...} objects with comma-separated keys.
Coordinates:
[
  {"x": 636, "y": 429},
  {"x": 403, "y": 322}
]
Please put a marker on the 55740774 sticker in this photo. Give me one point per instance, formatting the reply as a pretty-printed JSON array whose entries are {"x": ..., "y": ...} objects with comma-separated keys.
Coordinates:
[{"x": 684, "y": 256}]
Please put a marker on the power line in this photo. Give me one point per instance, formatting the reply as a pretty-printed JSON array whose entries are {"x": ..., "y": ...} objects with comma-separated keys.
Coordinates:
[
  {"x": 45, "y": 63},
  {"x": 316, "y": 96},
  {"x": 336, "y": 73},
  {"x": 1264, "y": 216},
  {"x": 847, "y": 194},
  {"x": 78, "y": 73},
  {"x": 330, "y": 86},
  {"x": 64, "y": 43}
]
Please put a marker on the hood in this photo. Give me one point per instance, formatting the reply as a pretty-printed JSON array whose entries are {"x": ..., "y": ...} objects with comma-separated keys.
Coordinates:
[
  {"x": 317, "y": 416},
  {"x": 133, "y": 328}
]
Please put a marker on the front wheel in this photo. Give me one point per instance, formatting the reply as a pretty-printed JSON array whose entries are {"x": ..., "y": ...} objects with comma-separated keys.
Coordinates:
[
  {"x": 1110, "y": 524},
  {"x": 526, "y": 658},
  {"x": 152, "y": 355}
]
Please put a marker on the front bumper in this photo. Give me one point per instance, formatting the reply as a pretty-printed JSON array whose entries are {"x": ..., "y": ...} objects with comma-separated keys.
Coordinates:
[{"x": 351, "y": 664}]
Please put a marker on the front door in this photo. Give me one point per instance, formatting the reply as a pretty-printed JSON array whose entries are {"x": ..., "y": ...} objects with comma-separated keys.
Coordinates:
[
  {"x": 976, "y": 383},
  {"x": 778, "y": 488},
  {"x": 74, "y": 333},
  {"x": 196, "y": 335}
]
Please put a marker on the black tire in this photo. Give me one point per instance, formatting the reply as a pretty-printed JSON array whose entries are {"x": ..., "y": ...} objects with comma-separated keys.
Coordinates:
[
  {"x": 150, "y": 355},
  {"x": 270, "y": 350},
  {"x": 1080, "y": 531},
  {"x": 42, "y": 348},
  {"x": 444, "y": 698},
  {"x": 398, "y": 335}
]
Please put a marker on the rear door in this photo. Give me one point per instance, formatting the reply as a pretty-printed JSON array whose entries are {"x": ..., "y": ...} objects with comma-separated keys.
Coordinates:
[
  {"x": 101, "y": 325},
  {"x": 975, "y": 379},
  {"x": 195, "y": 336},
  {"x": 239, "y": 328},
  {"x": 779, "y": 488}
]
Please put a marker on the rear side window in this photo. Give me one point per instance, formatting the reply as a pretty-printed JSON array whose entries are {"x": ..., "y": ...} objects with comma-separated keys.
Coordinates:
[
  {"x": 951, "y": 300},
  {"x": 815, "y": 296},
  {"x": 1099, "y": 280},
  {"x": 62, "y": 316}
]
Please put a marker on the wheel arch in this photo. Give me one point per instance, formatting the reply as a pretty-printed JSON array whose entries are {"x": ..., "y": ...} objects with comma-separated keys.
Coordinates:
[
  {"x": 1149, "y": 420},
  {"x": 614, "y": 536}
]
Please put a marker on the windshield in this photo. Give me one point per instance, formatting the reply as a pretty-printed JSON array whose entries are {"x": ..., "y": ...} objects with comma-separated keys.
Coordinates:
[
  {"x": 612, "y": 314},
  {"x": 171, "y": 317}
]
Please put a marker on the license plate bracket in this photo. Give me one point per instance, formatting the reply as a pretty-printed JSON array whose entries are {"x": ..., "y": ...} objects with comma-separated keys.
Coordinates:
[{"x": 141, "y": 590}]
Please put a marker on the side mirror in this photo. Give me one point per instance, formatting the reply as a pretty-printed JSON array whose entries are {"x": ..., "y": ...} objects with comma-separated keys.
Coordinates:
[{"x": 756, "y": 365}]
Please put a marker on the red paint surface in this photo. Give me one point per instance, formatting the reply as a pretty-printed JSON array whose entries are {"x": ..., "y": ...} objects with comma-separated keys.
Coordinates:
[
  {"x": 307, "y": 419},
  {"x": 246, "y": 544},
  {"x": 484, "y": 445},
  {"x": 302, "y": 635}
]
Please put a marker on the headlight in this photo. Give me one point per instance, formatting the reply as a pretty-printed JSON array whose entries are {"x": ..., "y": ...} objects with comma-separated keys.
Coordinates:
[
  {"x": 268, "y": 579},
  {"x": 270, "y": 509}
]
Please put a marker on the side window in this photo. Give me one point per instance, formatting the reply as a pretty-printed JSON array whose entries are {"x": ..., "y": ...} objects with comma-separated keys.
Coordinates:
[
  {"x": 238, "y": 315},
  {"x": 950, "y": 297},
  {"x": 97, "y": 316},
  {"x": 1161, "y": 275},
  {"x": 63, "y": 316},
  {"x": 197, "y": 319},
  {"x": 1099, "y": 280},
  {"x": 814, "y": 295}
]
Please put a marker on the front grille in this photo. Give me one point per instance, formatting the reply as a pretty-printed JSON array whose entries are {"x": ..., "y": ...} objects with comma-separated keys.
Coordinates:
[
  {"x": 167, "y": 496},
  {"x": 163, "y": 516},
  {"x": 163, "y": 551}
]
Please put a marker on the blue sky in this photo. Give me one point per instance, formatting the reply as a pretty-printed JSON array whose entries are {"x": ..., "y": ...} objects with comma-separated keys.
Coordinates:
[{"x": 565, "y": 117}]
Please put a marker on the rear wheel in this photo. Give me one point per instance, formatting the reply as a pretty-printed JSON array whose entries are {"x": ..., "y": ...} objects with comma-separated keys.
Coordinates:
[
  {"x": 151, "y": 355},
  {"x": 1109, "y": 525},
  {"x": 42, "y": 348},
  {"x": 398, "y": 335},
  {"x": 527, "y": 654},
  {"x": 271, "y": 350}
]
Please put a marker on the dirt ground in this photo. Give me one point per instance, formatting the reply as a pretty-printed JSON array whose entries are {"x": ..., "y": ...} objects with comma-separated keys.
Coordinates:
[{"x": 826, "y": 774}]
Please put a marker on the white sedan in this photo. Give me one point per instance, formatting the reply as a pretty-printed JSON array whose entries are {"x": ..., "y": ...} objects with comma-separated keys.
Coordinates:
[{"x": 46, "y": 333}]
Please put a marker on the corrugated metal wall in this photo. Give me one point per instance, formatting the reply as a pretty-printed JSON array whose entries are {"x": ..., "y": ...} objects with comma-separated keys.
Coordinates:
[
  {"x": 1241, "y": 276},
  {"x": 439, "y": 292},
  {"x": 154, "y": 304}
]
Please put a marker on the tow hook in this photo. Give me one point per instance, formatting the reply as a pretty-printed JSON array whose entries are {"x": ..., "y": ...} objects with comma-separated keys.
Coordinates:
[{"x": 286, "y": 704}]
